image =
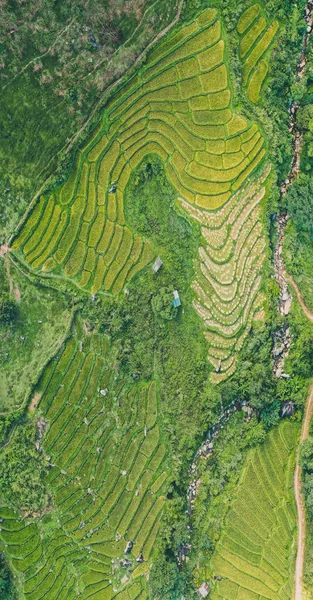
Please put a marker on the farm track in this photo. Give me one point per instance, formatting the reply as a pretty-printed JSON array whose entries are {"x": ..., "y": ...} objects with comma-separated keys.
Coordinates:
[
  {"x": 298, "y": 592},
  {"x": 305, "y": 309},
  {"x": 298, "y": 472}
]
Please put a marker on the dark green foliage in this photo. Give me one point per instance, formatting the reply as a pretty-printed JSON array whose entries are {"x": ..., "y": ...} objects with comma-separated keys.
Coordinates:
[
  {"x": 306, "y": 462},
  {"x": 6, "y": 422},
  {"x": 162, "y": 304},
  {"x": 253, "y": 380},
  {"x": 152, "y": 210},
  {"x": 22, "y": 469},
  {"x": 300, "y": 205},
  {"x": 299, "y": 238},
  {"x": 165, "y": 582},
  {"x": 299, "y": 362},
  {"x": 305, "y": 113},
  {"x": 298, "y": 242},
  {"x": 7, "y": 591},
  {"x": 8, "y": 310},
  {"x": 29, "y": 333},
  {"x": 306, "y": 455},
  {"x": 303, "y": 365},
  {"x": 305, "y": 117}
]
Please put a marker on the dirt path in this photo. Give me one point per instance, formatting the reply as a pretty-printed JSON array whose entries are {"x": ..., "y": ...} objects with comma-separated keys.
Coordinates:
[
  {"x": 14, "y": 289},
  {"x": 305, "y": 309},
  {"x": 34, "y": 401},
  {"x": 298, "y": 595},
  {"x": 308, "y": 412}
]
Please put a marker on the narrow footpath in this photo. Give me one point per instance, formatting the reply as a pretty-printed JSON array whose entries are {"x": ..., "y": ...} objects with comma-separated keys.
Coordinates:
[{"x": 305, "y": 309}]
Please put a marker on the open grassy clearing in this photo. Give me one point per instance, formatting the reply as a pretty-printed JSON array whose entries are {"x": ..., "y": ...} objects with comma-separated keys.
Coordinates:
[
  {"x": 179, "y": 102},
  {"x": 31, "y": 338},
  {"x": 255, "y": 554},
  {"x": 108, "y": 476},
  {"x": 256, "y": 39}
]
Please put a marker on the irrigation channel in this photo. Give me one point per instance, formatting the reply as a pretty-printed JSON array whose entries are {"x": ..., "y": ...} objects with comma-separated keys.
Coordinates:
[{"x": 282, "y": 338}]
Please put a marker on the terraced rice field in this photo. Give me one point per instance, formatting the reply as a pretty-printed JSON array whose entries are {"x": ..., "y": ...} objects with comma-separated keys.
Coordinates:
[
  {"x": 256, "y": 38},
  {"x": 108, "y": 475},
  {"x": 254, "y": 556},
  {"x": 228, "y": 274},
  {"x": 178, "y": 106}
]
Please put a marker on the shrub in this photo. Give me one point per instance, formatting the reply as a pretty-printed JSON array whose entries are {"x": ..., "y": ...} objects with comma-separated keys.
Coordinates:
[
  {"x": 9, "y": 310},
  {"x": 23, "y": 470}
]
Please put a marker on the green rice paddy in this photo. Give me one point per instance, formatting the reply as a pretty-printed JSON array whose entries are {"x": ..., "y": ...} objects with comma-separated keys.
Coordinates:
[
  {"x": 256, "y": 39},
  {"x": 178, "y": 106},
  {"x": 254, "y": 557},
  {"x": 108, "y": 474}
]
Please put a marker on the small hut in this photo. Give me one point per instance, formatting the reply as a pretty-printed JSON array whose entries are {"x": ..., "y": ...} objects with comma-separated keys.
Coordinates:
[
  {"x": 204, "y": 590},
  {"x": 157, "y": 265},
  {"x": 176, "y": 301}
]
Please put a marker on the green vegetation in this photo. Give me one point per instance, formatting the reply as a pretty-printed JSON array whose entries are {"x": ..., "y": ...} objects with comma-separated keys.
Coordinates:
[
  {"x": 252, "y": 556},
  {"x": 6, "y": 583},
  {"x": 22, "y": 468},
  {"x": 299, "y": 239},
  {"x": 254, "y": 45},
  {"x": 57, "y": 62},
  {"x": 176, "y": 168},
  {"x": 209, "y": 152},
  {"x": 298, "y": 244},
  {"x": 8, "y": 310},
  {"x": 305, "y": 461},
  {"x": 256, "y": 81},
  {"x": 107, "y": 473},
  {"x": 29, "y": 333}
]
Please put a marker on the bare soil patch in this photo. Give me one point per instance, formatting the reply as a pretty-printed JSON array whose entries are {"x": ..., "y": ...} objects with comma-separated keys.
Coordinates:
[{"x": 34, "y": 401}]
